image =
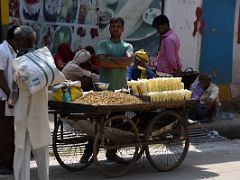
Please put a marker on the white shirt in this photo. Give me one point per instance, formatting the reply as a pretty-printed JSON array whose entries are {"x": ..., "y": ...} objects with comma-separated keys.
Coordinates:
[
  {"x": 7, "y": 54},
  {"x": 210, "y": 94},
  {"x": 31, "y": 114}
]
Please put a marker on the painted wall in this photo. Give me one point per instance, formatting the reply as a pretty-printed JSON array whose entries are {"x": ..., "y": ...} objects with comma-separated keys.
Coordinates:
[
  {"x": 57, "y": 21},
  {"x": 212, "y": 50},
  {"x": 216, "y": 49},
  {"x": 4, "y": 14},
  {"x": 235, "y": 85},
  {"x": 217, "y": 41},
  {"x": 138, "y": 28},
  {"x": 181, "y": 14}
]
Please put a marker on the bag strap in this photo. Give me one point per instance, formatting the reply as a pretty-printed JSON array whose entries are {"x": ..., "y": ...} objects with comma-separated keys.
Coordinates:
[
  {"x": 51, "y": 69},
  {"x": 36, "y": 63}
]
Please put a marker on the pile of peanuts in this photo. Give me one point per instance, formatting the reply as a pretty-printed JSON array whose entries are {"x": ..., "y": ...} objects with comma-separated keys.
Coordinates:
[{"x": 108, "y": 98}]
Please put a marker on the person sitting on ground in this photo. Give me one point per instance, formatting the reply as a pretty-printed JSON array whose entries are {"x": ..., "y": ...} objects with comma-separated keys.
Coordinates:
[
  {"x": 63, "y": 56},
  {"x": 92, "y": 64},
  {"x": 139, "y": 69},
  {"x": 206, "y": 93},
  {"x": 74, "y": 70}
]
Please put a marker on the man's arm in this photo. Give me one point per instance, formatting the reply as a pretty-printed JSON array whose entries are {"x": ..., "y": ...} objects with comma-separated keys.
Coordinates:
[
  {"x": 3, "y": 84},
  {"x": 59, "y": 62},
  {"x": 129, "y": 73},
  {"x": 171, "y": 57},
  {"x": 114, "y": 62},
  {"x": 214, "y": 92},
  {"x": 106, "y": 61}
]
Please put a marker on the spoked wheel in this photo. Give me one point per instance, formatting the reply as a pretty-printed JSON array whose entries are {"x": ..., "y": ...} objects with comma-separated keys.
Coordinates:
[
  {"x": 168, "y": 141},
  {"x": 116, "y": 146},
  {"x": 141, "y": 120},
  {"x": 69, "y": 145}
]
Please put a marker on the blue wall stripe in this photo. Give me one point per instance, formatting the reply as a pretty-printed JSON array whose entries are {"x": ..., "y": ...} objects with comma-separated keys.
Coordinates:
[{"x": 217, "y": 40}]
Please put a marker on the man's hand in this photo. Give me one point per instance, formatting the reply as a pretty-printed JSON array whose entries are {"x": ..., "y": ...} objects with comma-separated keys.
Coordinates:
[
  {"x": 4, "y": 84},
  {"x": 209, "y": 103},
  {"x": 95, "y": 77},
  {"x": 141, "y": 68},
  {"x": 113, "y": 62}
]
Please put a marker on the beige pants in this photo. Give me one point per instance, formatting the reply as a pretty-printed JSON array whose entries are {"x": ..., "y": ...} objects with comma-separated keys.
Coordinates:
[{"x": 22, "y": 161}]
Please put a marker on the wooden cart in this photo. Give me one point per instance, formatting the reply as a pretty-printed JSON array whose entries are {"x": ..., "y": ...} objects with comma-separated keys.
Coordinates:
[{"x": 157, "y": 129}]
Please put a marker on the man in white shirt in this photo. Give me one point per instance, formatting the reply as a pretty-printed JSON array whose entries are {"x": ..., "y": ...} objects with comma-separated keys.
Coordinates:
[
  {"x": 206, "y": 93},
  {"x": 32, "y": 131},
  {"x": 7, "y": 54},
  {"x": 8, "y": 50}
]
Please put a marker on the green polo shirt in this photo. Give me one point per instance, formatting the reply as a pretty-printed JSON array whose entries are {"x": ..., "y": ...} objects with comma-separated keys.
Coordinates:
[{"x": 116, "y": 76}]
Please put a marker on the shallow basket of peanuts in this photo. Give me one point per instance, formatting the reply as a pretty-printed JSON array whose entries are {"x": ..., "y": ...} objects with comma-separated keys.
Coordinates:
[{"x": 164, "y": 89}]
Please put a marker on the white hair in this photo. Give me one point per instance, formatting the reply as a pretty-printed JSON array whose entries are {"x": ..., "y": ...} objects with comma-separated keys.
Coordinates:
[{"x": 27, "y": 33}]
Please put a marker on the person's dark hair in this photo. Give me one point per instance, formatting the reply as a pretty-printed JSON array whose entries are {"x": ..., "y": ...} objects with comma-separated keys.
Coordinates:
[
  {"x": 117, "y": 19},
  {"x": 90, "y": 49},
  {"x": 205, "y": 76},
  {"x": 10, "y": 33},
  {"x": 160, "y": 20}
]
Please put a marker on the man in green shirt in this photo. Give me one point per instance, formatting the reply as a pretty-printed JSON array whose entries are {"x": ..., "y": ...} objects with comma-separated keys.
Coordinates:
[{"x": 114, "y": 56}]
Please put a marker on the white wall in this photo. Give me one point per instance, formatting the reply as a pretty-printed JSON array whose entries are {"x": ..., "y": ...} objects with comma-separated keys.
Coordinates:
[
  {"x": 236, "y": 48},
  {"x": 235, "y": 86},
  {"x": 181, "y": 14}
]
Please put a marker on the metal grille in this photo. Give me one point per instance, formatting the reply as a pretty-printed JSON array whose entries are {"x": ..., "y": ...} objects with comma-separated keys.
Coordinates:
[{"x": 201, "y": 135}]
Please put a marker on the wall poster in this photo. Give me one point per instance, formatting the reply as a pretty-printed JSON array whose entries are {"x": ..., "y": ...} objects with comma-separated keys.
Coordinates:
[
  {"x": 84, "y": 22},
  {"x": 56, "y": 21},
  {"x": 138, "y": 16}
]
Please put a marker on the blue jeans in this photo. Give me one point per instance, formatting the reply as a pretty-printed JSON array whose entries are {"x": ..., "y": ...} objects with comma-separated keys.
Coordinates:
[{"x": 201, "y": 111}]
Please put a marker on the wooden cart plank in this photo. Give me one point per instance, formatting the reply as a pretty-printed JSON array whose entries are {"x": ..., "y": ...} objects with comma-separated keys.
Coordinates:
[{"x": 104, "y": 109}]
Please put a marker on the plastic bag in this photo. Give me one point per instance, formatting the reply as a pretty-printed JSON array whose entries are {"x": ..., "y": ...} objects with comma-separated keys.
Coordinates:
[
  {"x": 67, "y": 91},
  {"x": 38, "y": 69}
]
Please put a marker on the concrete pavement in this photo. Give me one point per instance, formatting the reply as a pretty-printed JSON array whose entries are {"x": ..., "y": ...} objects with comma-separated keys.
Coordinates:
[
  {"x": 216, "y": 160},
  {"x": 227, "y": 122}
]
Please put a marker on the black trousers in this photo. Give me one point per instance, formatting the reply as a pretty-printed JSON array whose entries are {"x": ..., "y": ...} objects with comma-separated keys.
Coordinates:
[{"x": 6, "y": 142}]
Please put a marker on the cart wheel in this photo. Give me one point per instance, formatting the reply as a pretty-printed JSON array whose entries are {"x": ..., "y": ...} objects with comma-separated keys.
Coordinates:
[
  {"x": 141, "y": 120},
  {"x": 118, "y": 137},
  {"x": 168, "y": 141},
  {"x": 68, "y": 146}
]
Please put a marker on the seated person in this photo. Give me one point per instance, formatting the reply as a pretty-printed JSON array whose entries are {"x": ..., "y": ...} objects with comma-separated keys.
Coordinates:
[
  {"x": 138, "y": 69},
  {"x": 63, "y": 56},
  {"x": 74, "y": 72},
  {"x": 91, "y": 65},
  {"x": 206, "y": 93}
]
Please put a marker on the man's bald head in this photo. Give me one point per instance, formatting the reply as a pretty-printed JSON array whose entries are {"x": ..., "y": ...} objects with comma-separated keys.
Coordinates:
[
  {"x": 205, "y": 80},
  {"x": 25, "y": 36}
]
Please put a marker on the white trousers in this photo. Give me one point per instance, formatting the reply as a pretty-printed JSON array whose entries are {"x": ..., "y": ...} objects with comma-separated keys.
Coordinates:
[{"x": 22, "y": 161}]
